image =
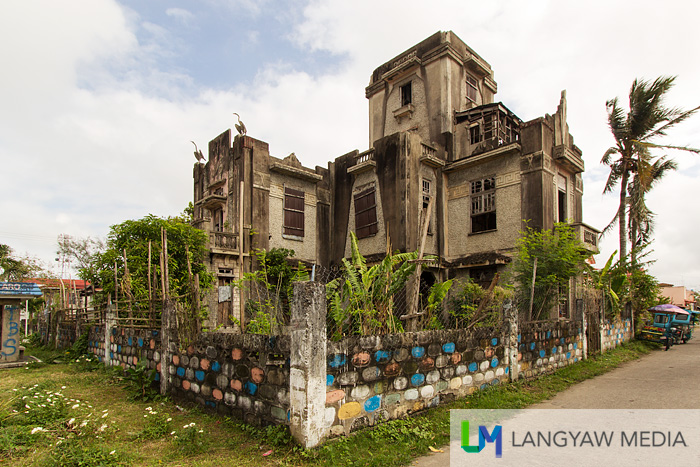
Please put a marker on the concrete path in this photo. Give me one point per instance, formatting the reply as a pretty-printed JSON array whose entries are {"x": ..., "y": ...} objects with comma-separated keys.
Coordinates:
[{"x": 660, "y": 380}]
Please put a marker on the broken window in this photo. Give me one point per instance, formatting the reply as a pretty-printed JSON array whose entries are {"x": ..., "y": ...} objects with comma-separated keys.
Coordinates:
[
  {"x": 406, "y": 97},
  {"x": 475, "y": 134},
  {"x": 293, "y": 212},
  {"x": 561, "y": 198},
  {"x": 366, "y": 213},
  {"x": 483, "y": 206},
  {"x": 471, "y": 89},
  {"x": 426, "y": 202},
  {"x": 218, "y": 220}
]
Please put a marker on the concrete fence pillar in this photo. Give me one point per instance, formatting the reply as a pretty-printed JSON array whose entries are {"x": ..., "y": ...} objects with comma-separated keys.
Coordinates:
[
  {"x": 511, "y": 315},
  {"x": 110, "y": 322},
  {"x": 307, "y": 374}
]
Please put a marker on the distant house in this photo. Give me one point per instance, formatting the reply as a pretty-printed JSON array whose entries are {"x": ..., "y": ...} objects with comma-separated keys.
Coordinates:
[
  {"x": 438, "y": 145},
  {"x": 678, "y": 295}
]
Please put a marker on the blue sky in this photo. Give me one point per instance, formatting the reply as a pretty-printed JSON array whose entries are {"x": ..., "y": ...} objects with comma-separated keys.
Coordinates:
[{"x": 100, "y": 98}]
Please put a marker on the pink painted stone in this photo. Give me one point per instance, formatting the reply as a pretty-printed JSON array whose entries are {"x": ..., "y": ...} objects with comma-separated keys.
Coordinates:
[
  {"x": 361, "y": 359},
  {"x": 158, "y": 367},
  {"x": 236, "y": 385},
  {"x": 152, "y": 344},
  {"x": 236, "y": 354},
  {"x": 218, "y": 395},
  {"x": 456, "y": 358},
  {"x": 257, "y": 375},
  {"x": 488, "y": 353},
  {"x": 185, "y": 385},
  {"x": 204, "y": 363},
  {"x": 334, "y": 396},
  {"x": 176, "y": 360},
  {"x": 190, "y": 350}
]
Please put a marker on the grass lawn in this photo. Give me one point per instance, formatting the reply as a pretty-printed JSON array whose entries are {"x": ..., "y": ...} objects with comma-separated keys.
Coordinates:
[{"x": 78, "y": 413}]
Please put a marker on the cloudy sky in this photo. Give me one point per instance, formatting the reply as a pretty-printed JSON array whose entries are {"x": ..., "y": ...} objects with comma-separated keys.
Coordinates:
[{"x": 99, "y": 99}]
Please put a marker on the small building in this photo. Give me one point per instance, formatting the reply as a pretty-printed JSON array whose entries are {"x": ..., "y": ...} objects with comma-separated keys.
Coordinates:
[
  {"x": 448, "y": 168},
  {"x": 12, "y": 296},
  {"x": 678, "y": 295}
]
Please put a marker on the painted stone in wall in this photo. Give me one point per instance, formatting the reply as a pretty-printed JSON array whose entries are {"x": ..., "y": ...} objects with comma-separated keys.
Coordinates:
[{"x": 544, "y": 347}]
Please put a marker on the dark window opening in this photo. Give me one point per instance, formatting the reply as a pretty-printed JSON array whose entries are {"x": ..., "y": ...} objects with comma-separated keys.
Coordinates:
[
  {"x": 483, "y": 205},
  {"x": 406, "y": 97},
  {"x": 293, "y": 212},
  {"x": 426, "y": 202},
  {"x": 366, "y": 213},
  {"x": 483, "y": 275},
  {"x": 218, "y": 220},
  {"x": 475, "y": 134},
  {"x": 562, "y": 206},
  {"x": 471, "y": 88}
]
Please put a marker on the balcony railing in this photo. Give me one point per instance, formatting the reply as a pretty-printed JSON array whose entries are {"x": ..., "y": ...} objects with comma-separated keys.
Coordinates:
[
  {"x": 365, "y": 156},
  {"x": 587, "y": 235},
  {"x": 223, "y": 240}
]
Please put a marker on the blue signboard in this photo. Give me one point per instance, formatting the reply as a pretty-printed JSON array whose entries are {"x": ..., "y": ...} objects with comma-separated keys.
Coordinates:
[{"x": 20, "y": 289}]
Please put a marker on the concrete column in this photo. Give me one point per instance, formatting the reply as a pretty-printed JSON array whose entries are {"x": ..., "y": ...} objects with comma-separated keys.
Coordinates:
[
  {"x": 510, "y": 314},
  {"x": 584, "y": 326},
  {"x": 167, "y": 321},
  {"x": 307, "y": 374},
  {"x": 9, "y": 338},
  {"x": 110, "y": 322}
]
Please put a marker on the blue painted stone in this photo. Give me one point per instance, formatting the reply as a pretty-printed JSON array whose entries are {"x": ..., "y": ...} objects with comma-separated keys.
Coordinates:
[
  {"x": 418, "y": 352},
  {"x": 216, "y": 366},
  {"x": 155, "y": 333},
  {"x": 111, "y": 355},
  {"x": 180, "y": 371},
  {"x": 382, "y": 356},
  {"x": 494, "y": 362},
  {"x": 549, "y": 334},
  {"x": 562, "y": 340},
  {"x": 494, "y": 341},
  {"x": 495, "y": 382},
  {"x": 250, "y": 387},
  {"x": 483, "y": 386},
  {"x": 140, "y": 341},
  {"x": 542, "y": 353},
  {"x": 329, "y": 380},
  {"x": 119, "y": 349},
  {"x": 157, "y": 378},
  {"x": 554, "y": 350},
  {"x": 211, "y": 404},
  {"x": 449, "y": 347},
  {"x": 199, "y": 374},
  {"x": 131, "y": 342},
  {"x": 373, "y": 403},
  {"x": 576, "y": 346},
  {"x": 417, "y": 379},
  {"x": 532, "y": 346},
  {"x": 473, "y": 367},
  {"x": 568, "y": 355},
  {"x": 337, "y": 360},
  {"x": 507, "y": 370},
  {"x": 114, "y": 331},
  {"x": 519, "y": 336}
]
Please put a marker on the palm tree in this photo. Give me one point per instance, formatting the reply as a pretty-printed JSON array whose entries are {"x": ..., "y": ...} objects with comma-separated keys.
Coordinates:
[
  {"x": 648, "y": 118},
  {"x": 641, "y": 218}
]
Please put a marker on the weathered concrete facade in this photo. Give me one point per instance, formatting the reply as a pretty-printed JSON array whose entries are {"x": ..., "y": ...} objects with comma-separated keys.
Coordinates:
[{"x": 438, "y": 143}]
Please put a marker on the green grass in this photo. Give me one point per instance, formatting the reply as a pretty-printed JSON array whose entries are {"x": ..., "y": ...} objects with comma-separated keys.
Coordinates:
[{"x": 161, "y": 433}]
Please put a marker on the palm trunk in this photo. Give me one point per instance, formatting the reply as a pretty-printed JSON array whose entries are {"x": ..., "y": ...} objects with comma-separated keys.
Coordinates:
[{"x": 622, "y": 214}]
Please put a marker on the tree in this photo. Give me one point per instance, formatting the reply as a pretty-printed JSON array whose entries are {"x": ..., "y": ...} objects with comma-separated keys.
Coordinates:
[
  {"x": 634, "y": 132},
  {"x": 560, "y": 255},
  {"x": 14, "y": 268},
  {"x": 129, "y": 241},
  {"x": 84, "y": 253}
]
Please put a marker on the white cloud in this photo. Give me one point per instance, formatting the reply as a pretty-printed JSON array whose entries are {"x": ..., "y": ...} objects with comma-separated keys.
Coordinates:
[{"x": 182, "y": 15}]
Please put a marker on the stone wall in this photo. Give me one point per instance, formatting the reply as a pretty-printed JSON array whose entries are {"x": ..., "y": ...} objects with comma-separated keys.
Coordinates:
[
  {"x": 370, "y": 379},
  {"x": 246, "y": 376},
  {"x": 615, "y": 333},
  {"x": 545, "y": 346}
]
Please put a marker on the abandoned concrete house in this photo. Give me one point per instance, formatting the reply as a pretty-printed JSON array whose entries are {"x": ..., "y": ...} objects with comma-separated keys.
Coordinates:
[{"x": 438, "y": 145}]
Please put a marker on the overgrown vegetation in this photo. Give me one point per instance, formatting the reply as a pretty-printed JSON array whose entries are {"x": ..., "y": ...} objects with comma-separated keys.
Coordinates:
[
  {"x": 473, "y": 306},
  {"x": 554, "y": 256}
]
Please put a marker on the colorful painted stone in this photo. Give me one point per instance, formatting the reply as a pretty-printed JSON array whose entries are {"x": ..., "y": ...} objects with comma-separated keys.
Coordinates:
[
  {"x": 401, "y": 355},
  {"x": 186, "y": 385},
  {"x": 349, "y": 410},
  {"x": 216, "y": 366},
  {"x": 392, "y": 369},
  {"x": 361, "y": 359},
  {"x": 236, "y": 385},
  {"x": 418, "y": 352},
  {"x": 400, "y": 383},
  {"x": 449, "y": 347},
  {"x": 382, "y": 356},
  {"x": 329, "y": 380},
  {"x": 204, "y": 363},
  {"x": 250, "y": 388},
  {"x": 373, "y": 403},
  {"x": 456, "y": 358},
  {"x": 494, "y": 362},
  {"x": 334, "y": 396},
  {"x": 337, "y": 360},
  {"x": 417, "y": 379},
  {"x": 426, "y": 364},
  {"x": 236, "y": 354},
  {"x": 257, "y": 375},
  {"x": 199, "y": 374},
  {"x": 180, "y": 371}
]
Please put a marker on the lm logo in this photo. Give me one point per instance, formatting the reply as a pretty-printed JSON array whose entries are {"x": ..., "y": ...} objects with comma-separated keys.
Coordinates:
[{"x": 484, "y": 437}]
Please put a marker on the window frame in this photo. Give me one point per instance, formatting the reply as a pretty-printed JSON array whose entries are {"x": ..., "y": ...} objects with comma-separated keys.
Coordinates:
[
  {"x": 482, "y": 209},
  {"x": 291, "y": 210},
  {"x": 366, "y": 223},
  {"x": 406, "y": 94},
  {"x": 472, "y": 88}
]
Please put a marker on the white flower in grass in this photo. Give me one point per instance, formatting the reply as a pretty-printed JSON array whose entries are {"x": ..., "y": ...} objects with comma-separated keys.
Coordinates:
[
  {"x": 113, "y": 452},
  {"x": 75, "y": 406},
  {"x": 105, "y": 414},
  {"x": 102, "y": 428},
  {"x": 172, "y": 432},
  {"x": 83, "y": 423},
  {"x": 37, "y": 430},
  {"x": 169, "y": 420},
  {"x": 71, "y": 422}
]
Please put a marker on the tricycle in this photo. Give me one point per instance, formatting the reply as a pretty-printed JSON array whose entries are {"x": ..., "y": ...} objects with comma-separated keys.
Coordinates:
[{"x": 671, "y": 325}]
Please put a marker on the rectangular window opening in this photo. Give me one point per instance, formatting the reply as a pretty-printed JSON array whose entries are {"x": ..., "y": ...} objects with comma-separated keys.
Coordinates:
[
  {"x": 293, "y": 212},
  {"x": 406, "y": 97},
  {"x": 366, "y": 213},
  {"x": 471, "y": 89},
  {"x": 483, "y": 205}
]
